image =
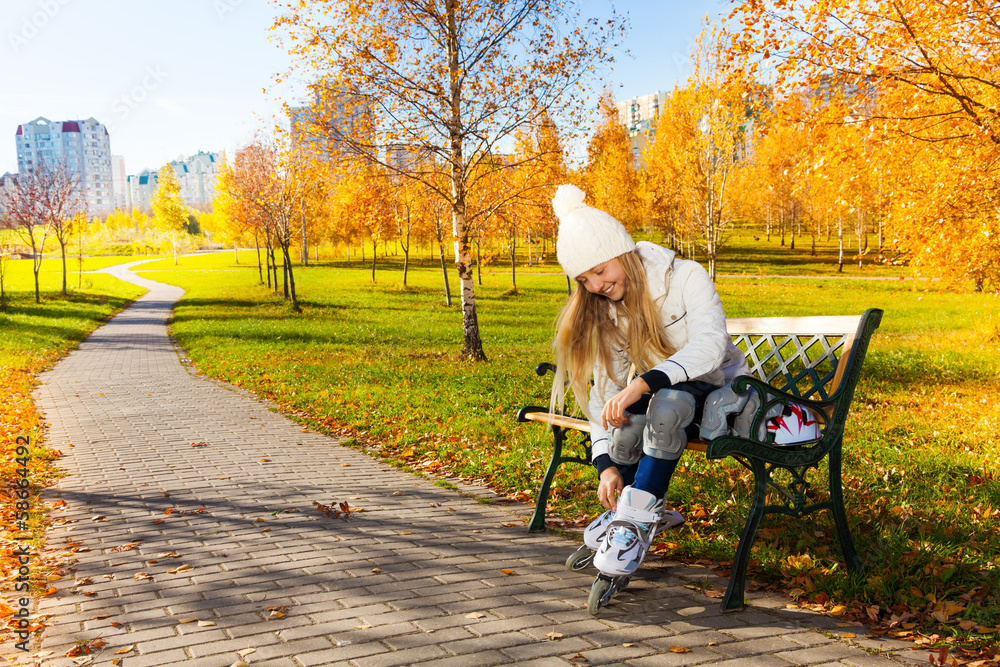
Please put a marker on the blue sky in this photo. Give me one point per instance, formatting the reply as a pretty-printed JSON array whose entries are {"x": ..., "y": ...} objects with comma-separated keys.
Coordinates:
[{"x": 172, "y": 77}]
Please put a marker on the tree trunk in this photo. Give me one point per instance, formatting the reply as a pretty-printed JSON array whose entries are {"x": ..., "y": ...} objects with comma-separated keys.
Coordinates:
[
  {"x": 290, "y": 276},
  {"x": 374, "y": 255},
  {"x": 406, "y": 255},
  {"x": 305, "y": 244},
  {"x": 36, "y": 267},
  {"x": 840, "y": 245},
  {"x": 444, "y": 271},
  {"x": 513, "y": 262},
  {"x": 260, "y": 268},
  {"x": 472, "y": 345},
  {"x": 274, "y": 266},
  {"x": 62, "y": 248},
  {"x": 267, "y": 264},
  {"x": 286, "y": 269}
]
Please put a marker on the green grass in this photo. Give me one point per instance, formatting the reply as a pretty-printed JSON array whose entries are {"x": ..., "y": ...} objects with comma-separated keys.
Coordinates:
[
  {"x": 32, "y": 337},
  {"x": 379, "y": 363}
]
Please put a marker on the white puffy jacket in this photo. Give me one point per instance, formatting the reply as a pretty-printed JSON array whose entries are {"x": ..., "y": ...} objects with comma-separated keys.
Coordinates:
[{"x": 695, "y": 326}]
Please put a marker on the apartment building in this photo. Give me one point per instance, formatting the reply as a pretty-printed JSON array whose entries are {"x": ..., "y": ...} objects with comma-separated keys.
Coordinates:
[{"x": 82, "y": 147}]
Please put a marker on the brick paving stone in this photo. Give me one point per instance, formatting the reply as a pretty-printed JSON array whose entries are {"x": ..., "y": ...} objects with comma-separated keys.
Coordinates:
[
  {"x": 868, "y": 661},
  {"x": 542, "y": 649},
  {"x": 829, "y": 653},
  {"x": 470, "y": 660},
  {"x": 750, "y": 647},
  {"x": 423, "y": 638},
  {"x": 494, "y": 642},
  {"x": 618, "y": 653},
  {"x": 131, "y": 407},
  {"x": 409, "y": 656},
  {"x": 552, "y": 661},
  {"x": 707, "y": 658}
]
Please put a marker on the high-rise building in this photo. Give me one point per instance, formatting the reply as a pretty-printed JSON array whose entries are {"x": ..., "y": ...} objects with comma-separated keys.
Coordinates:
[
  {"x": 140, "y": 188},
  {"x": 119, "y": 181},
  {"x": 646, "y": 107},
  {"x": 638, "y": 114},
  {"x": 82, "y": 147},
  {"x": 321, "y": 125},
  {"x": 7, "y": 182},
  {"x": 196, "y": 174}
]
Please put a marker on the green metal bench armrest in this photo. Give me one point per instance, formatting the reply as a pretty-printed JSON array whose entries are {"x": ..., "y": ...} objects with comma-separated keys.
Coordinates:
[{"x": 766, "y": 450}]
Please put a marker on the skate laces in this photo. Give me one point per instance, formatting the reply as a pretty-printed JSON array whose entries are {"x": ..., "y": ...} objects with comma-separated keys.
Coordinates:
[{"x": 621, "y": 539}]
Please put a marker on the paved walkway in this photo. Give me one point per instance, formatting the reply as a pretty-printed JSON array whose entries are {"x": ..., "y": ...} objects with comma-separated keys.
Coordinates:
[{"x": 191, "y": 524}]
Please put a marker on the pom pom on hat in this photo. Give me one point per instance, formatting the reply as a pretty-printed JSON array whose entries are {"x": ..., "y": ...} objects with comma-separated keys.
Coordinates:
[
  {"x": 587, "y": 236},
  {"x": 567, "y": 198}
]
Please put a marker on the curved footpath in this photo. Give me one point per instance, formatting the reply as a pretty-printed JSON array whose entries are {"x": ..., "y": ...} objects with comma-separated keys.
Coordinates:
[{"x": 189, "y": 510}]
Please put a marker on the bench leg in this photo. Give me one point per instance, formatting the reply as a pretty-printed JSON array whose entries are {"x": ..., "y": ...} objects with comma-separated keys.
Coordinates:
[
  {"x": 733, "y": 600},
  {"x": 542, "y": 499},
  {"x": 840, "y": 514}
]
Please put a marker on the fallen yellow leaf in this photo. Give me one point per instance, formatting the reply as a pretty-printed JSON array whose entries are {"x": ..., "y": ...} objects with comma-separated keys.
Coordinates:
[{"x": 127, "y": 649}]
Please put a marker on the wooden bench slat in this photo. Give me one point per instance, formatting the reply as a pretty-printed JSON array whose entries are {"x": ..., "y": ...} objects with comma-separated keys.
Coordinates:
[
  {"x": 830, "y": 325},
  {"x": 563, "y": 421},
  {"x": 559, "y": 420}
]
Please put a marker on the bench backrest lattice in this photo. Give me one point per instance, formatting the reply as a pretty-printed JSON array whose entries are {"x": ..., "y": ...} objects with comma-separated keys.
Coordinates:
[{"x": 803, "y": 356}]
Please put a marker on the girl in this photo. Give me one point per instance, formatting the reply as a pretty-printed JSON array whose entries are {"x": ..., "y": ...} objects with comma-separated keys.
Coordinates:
[{"x": 650, "y": 330}]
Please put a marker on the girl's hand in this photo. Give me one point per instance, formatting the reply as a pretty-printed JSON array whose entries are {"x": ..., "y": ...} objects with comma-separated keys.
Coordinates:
[
  {"x": 614, "y": 410},
  {"x": 609, "y": 488}
]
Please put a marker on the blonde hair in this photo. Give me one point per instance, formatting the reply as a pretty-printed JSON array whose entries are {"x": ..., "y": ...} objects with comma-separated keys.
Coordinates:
[{"x": 587, "y": 334}]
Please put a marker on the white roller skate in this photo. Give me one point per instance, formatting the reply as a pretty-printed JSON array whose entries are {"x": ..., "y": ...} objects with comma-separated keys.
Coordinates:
[
  {"x": 626, "y": 542},
  {"x": 594, "y": 534}
]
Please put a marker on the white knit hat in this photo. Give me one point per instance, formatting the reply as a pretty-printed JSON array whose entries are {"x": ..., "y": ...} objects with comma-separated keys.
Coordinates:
[{"x": 587, "y": 236}]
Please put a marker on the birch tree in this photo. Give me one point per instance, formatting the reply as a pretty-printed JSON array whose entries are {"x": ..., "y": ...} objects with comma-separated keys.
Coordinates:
[
  {"x": 447, "y": 80},
  {"x": 39, "y": 204}
]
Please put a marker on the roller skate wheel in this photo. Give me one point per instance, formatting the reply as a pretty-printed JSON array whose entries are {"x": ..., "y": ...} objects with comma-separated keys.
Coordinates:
[
  {"x": 580, "y": 559},
  {"x": 600, "y": 594}
]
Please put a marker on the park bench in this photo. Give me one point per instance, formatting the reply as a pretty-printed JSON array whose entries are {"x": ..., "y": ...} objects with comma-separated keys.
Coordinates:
[{"x": 813, "y": 361}]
